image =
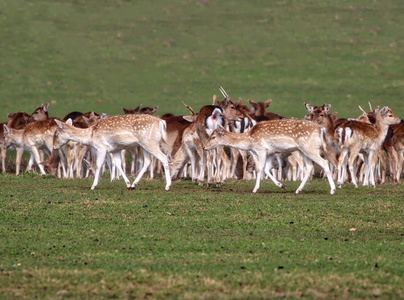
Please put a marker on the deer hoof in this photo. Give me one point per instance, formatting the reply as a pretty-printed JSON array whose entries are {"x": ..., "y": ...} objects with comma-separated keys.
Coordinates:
[{"x": 283, "y": 186}]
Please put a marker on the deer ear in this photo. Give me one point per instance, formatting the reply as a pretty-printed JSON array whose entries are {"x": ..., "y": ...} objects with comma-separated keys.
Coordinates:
[
  {"x": 6, "y": 130},
  {"x": 190, "y": 119},
  {"x": 61, "y": 124},
  {"x": 309, "y": 108},
  {"x": 268, "y": 102},
  {"x": 383, "y": 111},
  {"x": 11, "y": 115},
  {"x": 252, "y": 102},
  {"x": 327, "y": 108},
  {"x": 214, "y": 99},
  {"x": 220, "y": 130},
  {"x": 45, "y": 107}
]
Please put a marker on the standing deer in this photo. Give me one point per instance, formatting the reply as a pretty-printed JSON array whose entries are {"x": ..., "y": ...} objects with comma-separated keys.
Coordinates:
[
  {"x": 278, "y": 136},
  {"x": 356, "y": 137},
  {"x": 118, "y": 133},
  {"x": 18, "y": 121}
]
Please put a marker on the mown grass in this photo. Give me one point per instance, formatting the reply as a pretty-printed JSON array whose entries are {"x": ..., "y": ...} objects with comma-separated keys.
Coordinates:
[
  {"x": 59, "y": 239},
  {"x": 101, "y": 55}
]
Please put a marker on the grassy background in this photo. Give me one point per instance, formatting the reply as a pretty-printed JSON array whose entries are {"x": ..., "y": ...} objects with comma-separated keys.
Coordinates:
[
  {"x": 101, "y": 55},
  {"x": 59, "y": 239}
]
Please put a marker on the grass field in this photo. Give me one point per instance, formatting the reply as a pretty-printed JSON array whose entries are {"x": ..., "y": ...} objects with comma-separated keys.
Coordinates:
[{"x": 58, "y": 239}]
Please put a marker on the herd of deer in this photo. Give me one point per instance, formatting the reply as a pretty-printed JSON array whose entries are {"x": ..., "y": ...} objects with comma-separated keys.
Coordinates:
[{"x": 225, "y": 139}]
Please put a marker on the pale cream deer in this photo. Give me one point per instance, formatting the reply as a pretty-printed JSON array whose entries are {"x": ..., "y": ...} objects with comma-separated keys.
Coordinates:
[
  {"x": 114, "y": 134},
  {"x": 278, "y": 136}
]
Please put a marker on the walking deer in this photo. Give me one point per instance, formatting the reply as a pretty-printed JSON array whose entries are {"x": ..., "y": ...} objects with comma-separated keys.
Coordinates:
[
  {"x": 118, "y": 133},
  {"x": 278, "y": 136},
  {"x": 356, "y": 137},
  {"x": 19, "y": 120}
]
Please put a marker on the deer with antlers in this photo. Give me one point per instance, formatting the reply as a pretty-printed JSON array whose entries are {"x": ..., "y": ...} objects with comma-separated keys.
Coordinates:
[
  {"x": 198, "y": 133},
  {"x": 117, "y": 133},
  {"x": 356, "y": 137},
  {"x": 278, "y": 136}
]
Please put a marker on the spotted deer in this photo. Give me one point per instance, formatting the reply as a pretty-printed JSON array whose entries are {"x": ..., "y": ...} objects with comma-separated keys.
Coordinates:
[
  {"x": 114, "y": 134},
  {"x": 358, "y": 137},
  {"x": 200, "y": 130},
  {"x": 19, "y": 120},
  {"x": 278, "y": 136}
]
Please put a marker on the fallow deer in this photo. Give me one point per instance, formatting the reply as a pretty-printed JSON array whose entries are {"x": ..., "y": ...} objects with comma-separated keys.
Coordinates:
[
  {"x": 117, "y": 133},
  {"x": 34, "y": 137},
  {"x": 19, "y": 120},
  {"x": 394, "y": 146},
  {"x": 260, "y": 113},
  {"x": 356, "y": 137},
  {"x": 140, "y": 110},
  {"x": 278, "y": 136},
  {"x": 205, "y": 122}
]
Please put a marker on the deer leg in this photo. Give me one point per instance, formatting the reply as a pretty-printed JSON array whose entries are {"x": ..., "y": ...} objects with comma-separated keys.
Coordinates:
[
  {"x": 164, "y": 161},
  {"x": 146, "y": 164},
  {"x": 117, "y": 157},
  {"x": 341, "y": 163},
  {"x": 400, "y": 160},
  {"x": 371, "y": 168},
  {"x": 259, "y": 164},
  {"x": 326, "y": 168},
  {"x": 267, "y": 170},
  {"x": 3, "y": 159},
  {"x": 307, "y": 173},
  {"x": 37, "y": 157},
  {"x": 18, "y": 159},
  {"x": 101, "y": 155}
]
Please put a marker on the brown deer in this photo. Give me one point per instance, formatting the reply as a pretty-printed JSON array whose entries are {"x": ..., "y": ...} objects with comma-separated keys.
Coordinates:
[
  {"x": 260, "y": 113},
  {"x": 278, "y": 136},
  {"x": 356, "y": 137},
  {"x": 19, "y": 120},
  {"x": 321, "y": 115},
  {"x": 140, "y": 110},
  {"x": 394, "y": 146},
  {"x": 114, "y": 134},
  {"x": 203, "y": 125},
  {"x": 34, "y": 137}
]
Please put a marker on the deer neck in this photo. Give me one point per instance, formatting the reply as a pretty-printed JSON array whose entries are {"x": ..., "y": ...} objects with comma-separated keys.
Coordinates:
[
  {"x": 381, "y": 126},
  {"x": 81, "y": 135},
  {"x": 237, "y": 140}
]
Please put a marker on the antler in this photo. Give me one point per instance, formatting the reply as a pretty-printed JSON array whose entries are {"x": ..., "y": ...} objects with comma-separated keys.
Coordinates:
[
  {"x": 189, "y": 107},
  {"x": 370, "y": 106},
  {"x": 363, "y": 109},
  {"x": 223, "y": 92}
]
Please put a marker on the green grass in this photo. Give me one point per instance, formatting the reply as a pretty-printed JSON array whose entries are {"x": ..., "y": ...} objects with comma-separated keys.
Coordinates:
[
  {"x": 101, "y": 55},
  {"x": 59, "y": 239}
]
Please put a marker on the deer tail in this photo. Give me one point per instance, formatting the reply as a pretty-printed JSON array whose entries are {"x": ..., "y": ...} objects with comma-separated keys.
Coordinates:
[
  {"x": 323, "y": 138},
  {"x": 163, "y": 130}
]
